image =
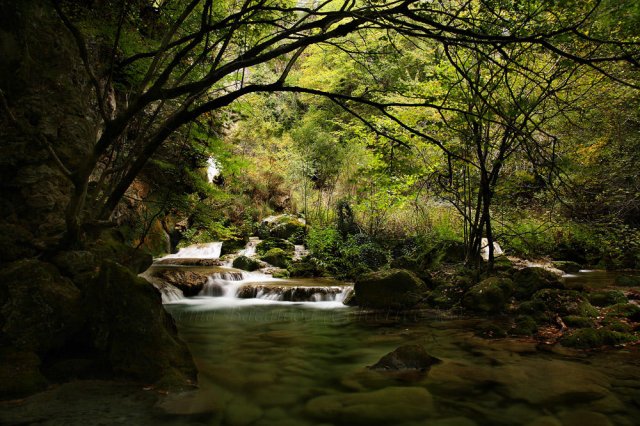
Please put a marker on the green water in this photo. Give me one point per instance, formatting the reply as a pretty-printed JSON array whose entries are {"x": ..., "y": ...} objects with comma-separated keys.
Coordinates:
[{"x": 296, "y": 365}]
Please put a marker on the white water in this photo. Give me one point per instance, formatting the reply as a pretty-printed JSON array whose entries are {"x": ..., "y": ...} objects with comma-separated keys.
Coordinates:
[
  {"x": 250, "y": 249},
  {"x": 484, "y": 250},
  {"x": 198, "y": 251},
  {"x": 213, "y": 169}
]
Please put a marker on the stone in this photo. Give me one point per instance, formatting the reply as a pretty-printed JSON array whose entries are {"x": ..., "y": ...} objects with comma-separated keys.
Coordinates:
[
  {"x": 15, "y": 243},
  {"x": 20, "y": 374},
  {"x": 406, "y": 357},
  {"x": 191, "y": 283},
  {"x": 607, "y": 298},
  {"x": 286, "y": 227},
  {"x": 277, "y": 257},
  {"x": 588, "y": 338},
  {"x": 524, "y": 326},
  {"x": 306, "y": 268},
  {"x": 529, "y": 280},
  {"x": 564, "y": 302},
  {"x": 350, "y": 298},
  {"x": 264, "y": 246},
  {"x": 567, "y": 266},
  {"x": 111, "y": 245},
  {"x": 629, "y": 311},
  {"x": 490, "y": 295},
  {"x": 39, "y": 309},
  {"x": 578, "y": 321},
  {"x": 128, "y": 324},
  {"x": 75, "y": 262},
  {"x": 628, "y": 280},
  {"x": 390, "y": 405},
  {"x": 445, "y": 296},
  {"x": 246, "y": 263},
  {"x": 389, "y": 289}
]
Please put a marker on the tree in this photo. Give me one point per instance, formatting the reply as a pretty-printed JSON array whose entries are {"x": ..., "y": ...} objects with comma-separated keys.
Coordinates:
[{"x": 173, "y": 62}]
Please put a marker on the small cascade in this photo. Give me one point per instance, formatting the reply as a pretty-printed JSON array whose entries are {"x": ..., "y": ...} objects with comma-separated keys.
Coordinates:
[
  {"x": 250, "y": 248},
  {"x": 299, "y": 252},
  {"x": 484, "y": 250},
  {"x": 198, "y": 251},
  {"x": 285, "y": 293}
]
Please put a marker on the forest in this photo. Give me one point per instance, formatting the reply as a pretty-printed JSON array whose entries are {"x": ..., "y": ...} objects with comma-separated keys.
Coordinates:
[{"x": 276, "y": 212}]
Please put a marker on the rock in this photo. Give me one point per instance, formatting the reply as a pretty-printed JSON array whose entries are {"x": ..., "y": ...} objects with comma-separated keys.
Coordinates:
[
  {"x": 264, "y": 246},
  {"x": 524, "y": 326},
  {"x": 564, "y": 302},
  {"x": 607, "y": 298},
  {"x": 39, "y": 309},
  {"x": 277, "y": 257},
  {"x": 246, "y": 263},
  {"x": 445, "y": 296},
  {"x": 306, "y": 268},
  {"x": 629, "y": 311},
  {"x": 350, "y": 298},
  {"x": 184, "y": 261},
  {"x": 280, "y": 273},
  {"x": 240, "y": 412},
  {"x": 391, "y": 405},
  {"x": 628, "y": 280},
  {"x": 286, "y": 227},
  {"x": 587, "y": 338},
  {"x": 502, "y": 264},
  {"x": 111, "y": 246},
  {"x": 389, "y": 289},
  {"x": 75, "y": 262},
  {"x": 490, "y": 295},
  {"x": 19, "y": 374},
  {"x": 407, "y": 357},
  {"x": 191, "y": 283},
  {"x": 15, "y": 243},
  {"x": 578, "y": 322},
  {"x": 529, "y": 280},
  {"x": 567, "y": 266},
  {"x": 128, "y": 324}
]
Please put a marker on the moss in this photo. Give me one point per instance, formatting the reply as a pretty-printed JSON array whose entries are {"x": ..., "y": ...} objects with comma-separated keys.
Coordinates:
[
  {"x": 502, "y": 264},
  {"x": 607, "y": 298},
  {"x": 307, "y": 267},
  {"x": 530, "y": 280},
  {"x": 491, "y": 331},
  {"x": 394, "y": 289},
  {"x": 490, "y": 295},
  {"x": 567, "y": 266},
  {"x": 445, "y": 296},
  {"x": 277, "y": 257},
  {"x": 535, "y": 309},
  {"x": 624, "y": 310},
  {"x": 565, "y": 302},
  {"x": 617, "y": 325},
  {"x": 587, "y": 338},
  {"x": 19, "y": 374},
  {"x": 578, "y": 321},
  {"x": 280, "y": 273},
  {"x": 524, "y": 326},
  {"x": 246, "y": 263},
  {"x": 628, "y": 280},
  {"x": 264, "y": 246}
]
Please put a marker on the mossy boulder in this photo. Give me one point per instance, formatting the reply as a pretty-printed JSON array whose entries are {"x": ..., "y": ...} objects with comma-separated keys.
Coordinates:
[
  {"x": 389, "y": 289},
  {"x": 20, "y": 374},
  {"x": 503, "y": 264},
  {"x": 232, "y": 246},
  {"x": 607, "y": 298},
  {"x": 588, "y": 338},
  {"x": 445, "y": 296},
  {"x": 307, "y": 267},
  {"x": 280, "y": 273},
  {"x": 15, "y": 243},
  {"x": 246, "y": 263},
  {"x": 529, "y": 280},
  {"x": 628, "y": 280},
  {"x": 578, "y": 321},
  {"x": 564, "y": 302},
  {"x": 567, "y": 266},
  {"x": 534, "y": 309},
  {"x": 111, "y": 246},
  {"x": 490, "y": 295},
  {"x": 277, "y": 257},
  {"x": 40, "y": 310},
  {"x": 524, "y": 325},
  {"x": 75, "y": 262},
  {"x": 129, "y": 325},
  {"x": 628, "y": 311},
  {"x": 406, "y": 357},
  {"x": 264, "y": 246}
]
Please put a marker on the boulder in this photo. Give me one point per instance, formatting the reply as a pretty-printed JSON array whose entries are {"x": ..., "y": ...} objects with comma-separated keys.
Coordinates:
[
  {"x": 564, "y": 302},
  {"x": 15, "y": 243},
  {"x": 578, "y": 321},
  {"x": 306, "y": 268},
  {"x": 607, "y": 298},
  {"x": 191, "y": 283},
  {"x": 587, "y": 338},
  {"x": 111, "y": 246},
  {"x": 350, "y": 298},
  {"x": 524, "y": 326},
  {"x": 406, "y": 357},
  {"x": 628, "y": 280},
  {"x": 264, "y": 246},
  {"x": 286, "y": 227},
  {"x": 490, "y": 295},
  {"x": 529, "y": 280},
  {"x": 567, "y": 266},
  {"x": 128, "y": 324},
  {"x": 246, "y": 263},
  {"x": 629, "y": 311},
  {"x": 389, "y": 289},
  {"x": 39, "y": 309},
  {"x": 75, "y": 262},
  {"x": 19, "y": 374},
  {"x": 277, "y": 257}
]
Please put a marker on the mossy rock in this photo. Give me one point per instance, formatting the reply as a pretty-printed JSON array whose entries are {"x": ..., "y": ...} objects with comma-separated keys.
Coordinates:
[
  {"x": 389, "y": 289},
  {"x": 20, "y": 374},
  {"x": 565, "y": 302},
  {"x": 15, "y": 243},
  {"x": 40, "y": 310},
  {"x": 607, "y": 298},
  {"x": 286, "y": 227},
  {"x": 111, "y": 246},
  {"x": 629, "y": 311},
  {"x": 588, "y": 338},
  {"x": 75, "y": 262},
  {"x": 445, "y": 296},
  {"x": 503, "y": 264},
  {"x": 534, "y": 309},
  {"x": 617, "y": 324},
  {"x": 529, "y": 280},
  {"x": 350, "y": 299},
  {"x": 264, "y": 246},
  {"x": 277, "y": 257},
  {"x": 524, "y": 326},
  {"x": 628, "y": 280},
  {"x": 232, "y": 246},
  {"x": 129, "y": 325},
  {"x": 578, "y": 321},
  {"x": 490, "y": 295},
  {"x": 246, "y": 263},
  {"x": 567, "y": 266},
  {"x": 280, "y": 273}
]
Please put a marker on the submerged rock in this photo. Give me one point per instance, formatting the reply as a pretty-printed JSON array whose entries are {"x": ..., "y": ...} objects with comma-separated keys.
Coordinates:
[
  {"x": 407, "y": 357},
  {"x": 191, "y": 283},
  {"x": 391, "y": 405},
  {"x": 567, "y": 266},
  {"x": 390, "y": 289},
  {"x": 529, "y": 280},
  {"x": 129, "y": 325},
  {"x": 490, "y": 295}
]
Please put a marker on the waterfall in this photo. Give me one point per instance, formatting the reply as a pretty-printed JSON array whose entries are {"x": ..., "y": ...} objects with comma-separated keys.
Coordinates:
[
  {"x": 484, "y": 250},
  {"x": 213, "y": 169},
  {"x": 250, "y": 249},
  {"x": 198, "y": 251}
]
